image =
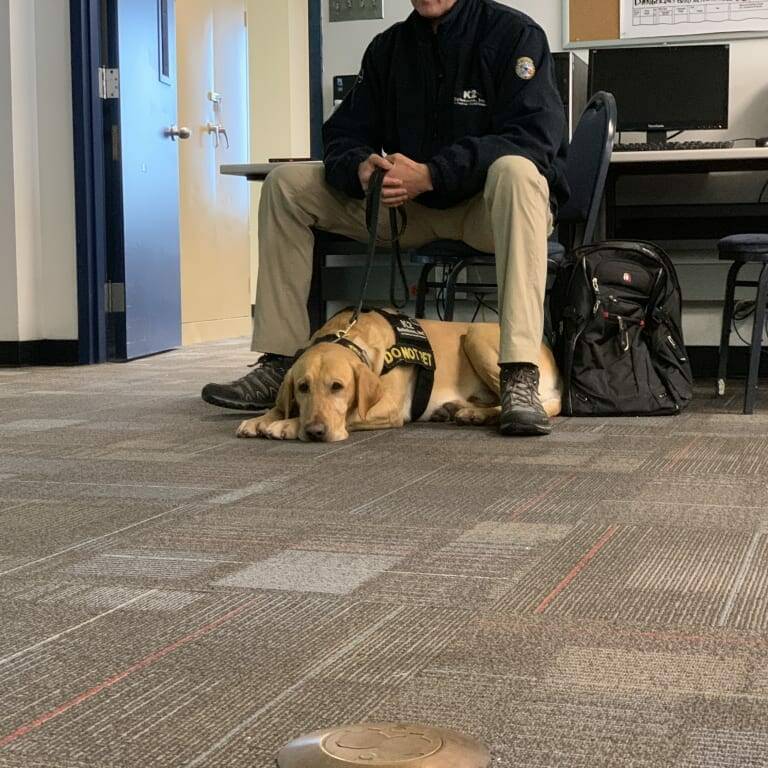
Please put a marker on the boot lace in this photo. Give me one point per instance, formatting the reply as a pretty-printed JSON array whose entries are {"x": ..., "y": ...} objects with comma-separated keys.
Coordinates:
[{"x": 521, "y": 388}]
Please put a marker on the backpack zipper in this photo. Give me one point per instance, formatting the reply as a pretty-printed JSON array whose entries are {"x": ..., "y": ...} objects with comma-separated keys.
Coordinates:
[
  {"x": 598, "y": 297},
  {"x": 575, "y": 341}
]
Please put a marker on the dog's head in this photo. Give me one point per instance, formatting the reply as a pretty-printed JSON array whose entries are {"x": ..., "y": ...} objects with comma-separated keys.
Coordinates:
[{"x": 327, "y": 387}]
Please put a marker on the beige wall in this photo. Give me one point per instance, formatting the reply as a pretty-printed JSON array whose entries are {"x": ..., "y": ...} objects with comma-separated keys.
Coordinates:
[
  {"x": 9, "y": 316},
  {"x": 38, "y": 283},
  {"x": 279, "y": 89},
  {"x": 58, "y": 255}
]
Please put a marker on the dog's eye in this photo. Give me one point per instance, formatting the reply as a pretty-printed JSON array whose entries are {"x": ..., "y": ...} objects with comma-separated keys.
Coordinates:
[
  {"x": 337, "y": 386},
  {"x": 303, "y": 387}
]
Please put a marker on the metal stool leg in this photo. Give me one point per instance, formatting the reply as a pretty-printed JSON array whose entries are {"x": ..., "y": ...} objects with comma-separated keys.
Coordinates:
[
  {"x": 422, "y": 288},
  {"x": 450, "y": 288},
  {"x": 757, "y": 342},
  {"x": 725, "y": 332}
]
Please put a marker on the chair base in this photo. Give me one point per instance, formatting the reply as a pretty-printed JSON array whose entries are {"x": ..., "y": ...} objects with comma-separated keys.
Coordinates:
[
  {"x": 761, "y": 299},
  {"x": 457, "y": 257}
]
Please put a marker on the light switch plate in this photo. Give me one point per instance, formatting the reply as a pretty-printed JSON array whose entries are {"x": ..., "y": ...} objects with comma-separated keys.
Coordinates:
[{"x": 355, "y": 10}]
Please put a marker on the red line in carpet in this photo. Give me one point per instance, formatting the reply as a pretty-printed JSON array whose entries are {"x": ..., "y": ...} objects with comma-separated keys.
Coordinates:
[
  {"x": 531, "y": 503},
  {"x": 118, "y": 678},
  {"x": 577, "y": 569},
  {"x": 682, "y": 454}
]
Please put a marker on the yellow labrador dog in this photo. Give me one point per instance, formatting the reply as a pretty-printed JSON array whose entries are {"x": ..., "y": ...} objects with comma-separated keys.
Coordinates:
[{"x": 330, "y": 391}]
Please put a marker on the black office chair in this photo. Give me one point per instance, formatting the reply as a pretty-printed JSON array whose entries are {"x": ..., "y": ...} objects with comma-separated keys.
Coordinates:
[
  {"x": 742, "y": 250},
  {"x": 588, "y": 162}
]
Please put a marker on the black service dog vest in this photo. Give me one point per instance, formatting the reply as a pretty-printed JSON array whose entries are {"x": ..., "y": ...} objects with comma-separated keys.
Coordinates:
[{"x": 411, "y": 347}]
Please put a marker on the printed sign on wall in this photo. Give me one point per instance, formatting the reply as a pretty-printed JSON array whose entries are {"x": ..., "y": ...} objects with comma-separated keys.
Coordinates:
[{"x": 674, "y": 18}]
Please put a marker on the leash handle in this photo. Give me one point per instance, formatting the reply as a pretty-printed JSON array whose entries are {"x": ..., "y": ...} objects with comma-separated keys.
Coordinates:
[
  {"x": 372, "y": 209},
  {"x": 372, "y": 217}
]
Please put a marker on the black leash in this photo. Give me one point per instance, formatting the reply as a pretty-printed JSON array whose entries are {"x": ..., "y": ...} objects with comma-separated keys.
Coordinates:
[
  {"x": 372, "y": 217},
  {"x": 412, "y": 345}
]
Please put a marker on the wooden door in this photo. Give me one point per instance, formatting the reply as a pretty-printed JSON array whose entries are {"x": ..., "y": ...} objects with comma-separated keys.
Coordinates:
[{"x": 212, "y": 67}]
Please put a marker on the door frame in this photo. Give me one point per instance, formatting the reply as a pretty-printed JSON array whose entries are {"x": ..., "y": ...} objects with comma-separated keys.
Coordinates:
[
  {"x": 316, "y": 78},
  {"x": 90, "y": 180},
  {"x": 88, "y": 41}
]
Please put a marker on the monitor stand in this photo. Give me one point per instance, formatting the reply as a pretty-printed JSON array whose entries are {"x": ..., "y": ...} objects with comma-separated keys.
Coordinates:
[{"x": 656, "y": 137}]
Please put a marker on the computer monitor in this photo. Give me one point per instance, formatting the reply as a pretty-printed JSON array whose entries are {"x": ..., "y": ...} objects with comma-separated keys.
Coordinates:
[{"x": 661, "y": 89}]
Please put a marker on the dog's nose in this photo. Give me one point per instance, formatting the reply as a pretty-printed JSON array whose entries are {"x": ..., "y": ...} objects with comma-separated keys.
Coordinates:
[{"x": 316, "y": 432}]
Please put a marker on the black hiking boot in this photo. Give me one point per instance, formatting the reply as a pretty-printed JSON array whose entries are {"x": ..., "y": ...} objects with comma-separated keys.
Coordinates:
[
  {"x": 521, "y": 410},
  {"x": 256, "y": 391}
]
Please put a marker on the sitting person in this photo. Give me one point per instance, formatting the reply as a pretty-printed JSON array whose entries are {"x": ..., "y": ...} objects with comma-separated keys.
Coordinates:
[{"x": 461, "y": 97}]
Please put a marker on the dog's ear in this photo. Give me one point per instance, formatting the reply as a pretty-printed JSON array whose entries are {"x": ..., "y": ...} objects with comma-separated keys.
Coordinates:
[
  {"x": 369, "y": 390},
  {"x": 286, "y": 401}
]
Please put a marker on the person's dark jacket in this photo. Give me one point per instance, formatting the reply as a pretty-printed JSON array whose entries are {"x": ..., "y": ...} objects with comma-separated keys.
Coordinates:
[{"x": 457, "y": 99}]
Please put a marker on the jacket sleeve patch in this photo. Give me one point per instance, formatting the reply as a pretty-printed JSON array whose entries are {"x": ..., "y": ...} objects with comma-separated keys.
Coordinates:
[{"x": 525, "y": 68}]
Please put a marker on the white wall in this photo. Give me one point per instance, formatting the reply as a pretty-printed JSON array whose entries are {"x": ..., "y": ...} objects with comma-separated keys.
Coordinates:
[
  {"x": 58, "y": 277},
  {"x": 37, "y": 255},
  {"x": 26, "y": 167},
  {"x": 279, "y": 77},
  {"x": 279, "y": 90},
  {"x": 9, "y": 316}
]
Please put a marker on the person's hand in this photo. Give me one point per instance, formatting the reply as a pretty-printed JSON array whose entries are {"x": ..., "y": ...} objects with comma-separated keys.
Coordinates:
[
  {"x": 392, "y": 191},
  {"x": 414, "y": 178}
]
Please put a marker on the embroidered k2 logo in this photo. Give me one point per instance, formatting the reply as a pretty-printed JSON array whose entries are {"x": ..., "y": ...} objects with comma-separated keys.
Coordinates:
[{"x": 470, "y": 98}]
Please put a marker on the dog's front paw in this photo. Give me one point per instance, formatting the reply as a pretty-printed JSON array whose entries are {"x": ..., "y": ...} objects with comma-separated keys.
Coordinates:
[
  {"x": 477, "y": 416},
  {"x": 251, "y": 428},
  {"x": 447, "y": 411},
  {"x": 287, "y": 429}
]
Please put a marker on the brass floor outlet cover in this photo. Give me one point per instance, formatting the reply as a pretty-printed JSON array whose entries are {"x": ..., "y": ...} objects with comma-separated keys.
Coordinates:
[{"x": 384, "y": 745}]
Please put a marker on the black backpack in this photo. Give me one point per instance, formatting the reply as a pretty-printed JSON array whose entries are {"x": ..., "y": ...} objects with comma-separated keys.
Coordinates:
[{"x": 616, "y": 313}]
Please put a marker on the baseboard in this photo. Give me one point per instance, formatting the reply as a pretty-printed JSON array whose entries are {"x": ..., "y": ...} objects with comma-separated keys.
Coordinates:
[
  {"x": 704, "y": 362},
  {"x": 40, "y": 352},
  {"x": 215, "y": 330}
]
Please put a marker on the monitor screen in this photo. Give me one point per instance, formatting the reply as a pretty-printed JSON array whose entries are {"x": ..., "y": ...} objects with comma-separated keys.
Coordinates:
[{"x": 671, "y": 88}]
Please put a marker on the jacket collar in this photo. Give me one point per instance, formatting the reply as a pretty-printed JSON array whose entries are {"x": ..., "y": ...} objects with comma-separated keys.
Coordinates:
[{"x": 450, "y": 25}]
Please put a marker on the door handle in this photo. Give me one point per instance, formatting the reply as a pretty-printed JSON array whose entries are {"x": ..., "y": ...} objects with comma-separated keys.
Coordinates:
[
  {"x": 213, "y": 129},
  {"x": 174, "y": 132},
  {"x": 218, "y": 130}
]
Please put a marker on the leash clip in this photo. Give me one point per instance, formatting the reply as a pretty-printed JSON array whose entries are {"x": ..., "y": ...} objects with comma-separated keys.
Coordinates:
[{"x": 343, "y": 334}]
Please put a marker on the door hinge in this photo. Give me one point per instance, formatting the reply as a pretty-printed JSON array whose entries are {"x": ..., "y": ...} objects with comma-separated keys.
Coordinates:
[
  {"x": 114, "y": 297},
  {"x": 109, "y": 83}
]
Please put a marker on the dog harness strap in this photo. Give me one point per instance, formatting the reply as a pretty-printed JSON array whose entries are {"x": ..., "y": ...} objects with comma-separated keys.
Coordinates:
[
  {"x": 411, "y": 347},
  {"x": 343, "y": 341}
]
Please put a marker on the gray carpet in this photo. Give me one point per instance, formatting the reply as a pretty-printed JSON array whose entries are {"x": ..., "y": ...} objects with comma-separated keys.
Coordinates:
[{"x": 172, "y": 596}]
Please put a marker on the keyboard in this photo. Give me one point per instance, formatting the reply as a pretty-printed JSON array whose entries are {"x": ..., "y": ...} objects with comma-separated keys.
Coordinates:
[{"x": 671, "y": 146}]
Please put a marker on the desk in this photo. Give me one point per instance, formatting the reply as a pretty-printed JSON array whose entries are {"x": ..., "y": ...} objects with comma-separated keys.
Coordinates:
[
  {"x": 258, "y": 171},
  {"x": 686, "y": 220},
  {"x": 699, "y": 160}
]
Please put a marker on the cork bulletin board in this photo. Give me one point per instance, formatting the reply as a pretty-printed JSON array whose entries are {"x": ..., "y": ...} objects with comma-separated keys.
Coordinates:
[{"x": 590, "y": 20}]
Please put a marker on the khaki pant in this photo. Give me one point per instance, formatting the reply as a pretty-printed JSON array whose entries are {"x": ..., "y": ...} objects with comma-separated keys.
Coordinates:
[{"x": 511, "y": 218}]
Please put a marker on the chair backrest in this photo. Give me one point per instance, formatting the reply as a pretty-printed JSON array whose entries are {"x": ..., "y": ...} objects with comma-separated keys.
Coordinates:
[{"x": 589, "y": 158}]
